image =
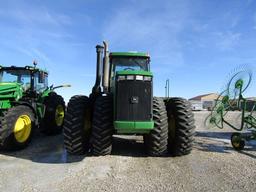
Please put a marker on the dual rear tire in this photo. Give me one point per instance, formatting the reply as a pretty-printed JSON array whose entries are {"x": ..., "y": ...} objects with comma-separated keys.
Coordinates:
[
  {"x": 82, "y": 132},
  {"x": 174, "y": 128}
]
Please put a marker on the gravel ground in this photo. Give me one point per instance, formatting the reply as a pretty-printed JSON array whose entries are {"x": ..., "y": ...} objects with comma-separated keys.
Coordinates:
[{"x": 213, "y": 165}]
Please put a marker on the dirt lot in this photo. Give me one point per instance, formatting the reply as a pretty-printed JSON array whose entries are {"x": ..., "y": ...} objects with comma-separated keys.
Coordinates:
[{"x": 212, "y": 166}]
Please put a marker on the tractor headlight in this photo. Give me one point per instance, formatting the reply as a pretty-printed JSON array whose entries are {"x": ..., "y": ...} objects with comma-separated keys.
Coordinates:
[
  {"x": 121, "y": 78},
  {"x": 139, "y": 77},
  {"x": 130, "y": 77},
  {"x": 147, "y": 78}
]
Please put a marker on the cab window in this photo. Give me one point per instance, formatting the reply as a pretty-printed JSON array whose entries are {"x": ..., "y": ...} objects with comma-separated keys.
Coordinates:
[{"x": 130, "y": 63}]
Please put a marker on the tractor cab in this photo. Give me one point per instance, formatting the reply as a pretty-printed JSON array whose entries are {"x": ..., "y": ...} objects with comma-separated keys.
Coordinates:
[
  {"x": 122, "y": 63},
  {"x": 29, "y": 78},
  {"x": 135, "y": 61}
]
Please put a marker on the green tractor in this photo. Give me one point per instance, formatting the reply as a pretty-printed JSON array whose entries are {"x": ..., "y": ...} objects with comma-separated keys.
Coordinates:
[
  {"x": 124, "y": 104},
  {"x": 27, "y": 102}
]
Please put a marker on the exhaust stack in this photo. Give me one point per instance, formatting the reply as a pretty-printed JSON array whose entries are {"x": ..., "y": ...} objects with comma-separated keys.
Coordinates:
[
  {"x": 96, "y": 88},
  {"x": 105, "y": 82}
]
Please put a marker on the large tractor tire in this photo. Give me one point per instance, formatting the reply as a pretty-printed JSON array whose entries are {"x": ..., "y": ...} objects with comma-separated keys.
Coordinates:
[
  {"x": 181, "y": 125},
  {"x": 156, "y": 140},
  {"x": 102, "y": 126},
  {"x": 52, "y": 123},
  {"x": 16, "y": 126},
  {"x": 77, "y": 125}
]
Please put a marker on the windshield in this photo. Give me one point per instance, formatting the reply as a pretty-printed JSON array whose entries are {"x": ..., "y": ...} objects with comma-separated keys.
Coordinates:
[
  {"x": 130, "y": 63},
  {"x": 16, "y": 76}
]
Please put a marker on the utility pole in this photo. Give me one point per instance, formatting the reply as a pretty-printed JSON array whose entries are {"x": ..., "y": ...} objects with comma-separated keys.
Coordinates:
[{"x": 167, "y": 88}]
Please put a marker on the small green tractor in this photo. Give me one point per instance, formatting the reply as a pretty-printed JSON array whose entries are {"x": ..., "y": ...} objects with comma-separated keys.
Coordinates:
[
  {"x": 122, "y": 102},
  {"x": 27, "y": 102}
]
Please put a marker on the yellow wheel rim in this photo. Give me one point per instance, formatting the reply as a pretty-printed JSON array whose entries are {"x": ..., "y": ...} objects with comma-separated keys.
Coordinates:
[
  {"x": 236, "y": 145},
  {"x": 236, "y": 141},
  {"x": 59, "y": 115},
  {"x": 22, "y": 128}
]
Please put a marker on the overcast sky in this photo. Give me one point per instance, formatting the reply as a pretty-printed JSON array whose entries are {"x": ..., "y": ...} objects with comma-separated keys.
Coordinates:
[{"x": 194, "y": 43}]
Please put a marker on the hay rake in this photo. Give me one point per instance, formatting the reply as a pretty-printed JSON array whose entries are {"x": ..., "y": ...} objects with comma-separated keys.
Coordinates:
[{"x": 232, "y": 99}]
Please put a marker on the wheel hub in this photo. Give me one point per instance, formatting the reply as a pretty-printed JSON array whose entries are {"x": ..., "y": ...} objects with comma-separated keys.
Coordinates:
[
  {"x": 236, "y": 141},
  {"x": 59, "y": 115},
  {"x": 22, "y": 128}
]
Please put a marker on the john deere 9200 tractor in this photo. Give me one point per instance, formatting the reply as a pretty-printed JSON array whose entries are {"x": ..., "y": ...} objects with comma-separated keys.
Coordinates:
[
  {"x": 27, "y": 102},
  {"x": 124, "y": 104}
]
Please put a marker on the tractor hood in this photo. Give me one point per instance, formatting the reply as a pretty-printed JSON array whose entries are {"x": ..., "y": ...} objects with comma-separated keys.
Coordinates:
[{"x": 10, "y": 90}]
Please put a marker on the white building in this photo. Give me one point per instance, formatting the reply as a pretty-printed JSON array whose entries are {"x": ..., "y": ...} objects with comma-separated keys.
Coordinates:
[{"x": 206, "y": 101}]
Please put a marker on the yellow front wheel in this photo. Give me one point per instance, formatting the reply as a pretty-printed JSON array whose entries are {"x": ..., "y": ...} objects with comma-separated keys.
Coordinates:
[
  {"x": 17, "y": 127},
  {"x": 22, "y": 128}
]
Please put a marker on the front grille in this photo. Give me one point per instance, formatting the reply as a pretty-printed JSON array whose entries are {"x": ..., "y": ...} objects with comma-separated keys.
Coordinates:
[{"x": 133, "y": 100}]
